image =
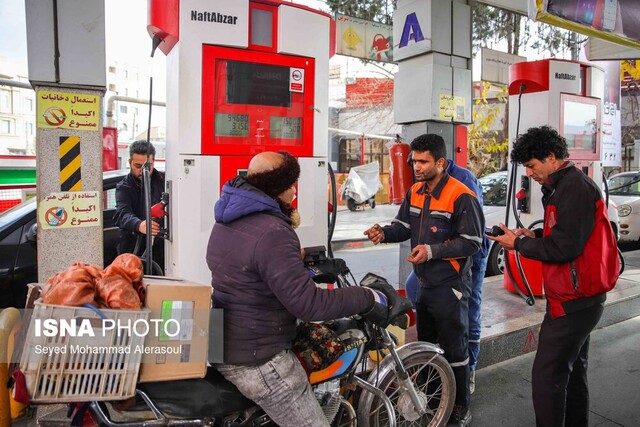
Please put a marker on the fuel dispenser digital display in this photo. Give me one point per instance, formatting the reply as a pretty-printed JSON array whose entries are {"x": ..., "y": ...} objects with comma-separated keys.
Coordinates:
[
  {"x": 580, "y": 126},
  {"x": 256, "y": 101}
]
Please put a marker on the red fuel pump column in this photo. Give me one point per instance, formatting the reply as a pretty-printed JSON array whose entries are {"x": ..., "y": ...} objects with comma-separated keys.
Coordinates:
[
  {"x": 401, "y": 177},
  {"x": 242, "y": 78}
]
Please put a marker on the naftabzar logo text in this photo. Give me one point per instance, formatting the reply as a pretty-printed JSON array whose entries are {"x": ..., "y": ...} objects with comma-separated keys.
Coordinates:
[
  {"x": 213, "y": 17},
  {"x": 565, "y": 76}
]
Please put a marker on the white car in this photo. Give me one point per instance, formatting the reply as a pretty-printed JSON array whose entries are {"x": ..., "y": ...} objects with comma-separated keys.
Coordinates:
[
  {"x": 624, "y": 190},
  {"x": 494, "y": 195}
]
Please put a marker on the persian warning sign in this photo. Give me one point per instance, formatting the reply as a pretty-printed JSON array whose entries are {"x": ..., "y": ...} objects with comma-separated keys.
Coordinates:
[
  {"x": 451, "y": 108},
  {"x": 70, "y": 209},
  {"x": 64, "y": 110}
]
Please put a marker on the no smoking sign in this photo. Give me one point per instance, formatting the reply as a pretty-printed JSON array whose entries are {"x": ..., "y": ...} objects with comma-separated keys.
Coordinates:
[
  {"x": 296, "y": 79},
  {"x": 54, "y": 116}
]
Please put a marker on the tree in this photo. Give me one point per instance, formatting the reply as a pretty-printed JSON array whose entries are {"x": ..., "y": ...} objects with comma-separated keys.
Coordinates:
[
  {"x": 493, "y": 25},
  {"x": 372, "y": 10},
  {"x": 487, "y": 133}
]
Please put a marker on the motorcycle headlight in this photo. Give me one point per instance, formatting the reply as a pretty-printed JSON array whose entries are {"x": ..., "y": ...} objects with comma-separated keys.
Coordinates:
[{"x": 624, "y": 210}]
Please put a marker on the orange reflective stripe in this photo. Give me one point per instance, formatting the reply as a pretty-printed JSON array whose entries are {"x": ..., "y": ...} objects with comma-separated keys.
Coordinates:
[
  {"x": 448, "y": 196},
  {"x": 454, "y": 263},
  {"x": 417, "y": 199}
]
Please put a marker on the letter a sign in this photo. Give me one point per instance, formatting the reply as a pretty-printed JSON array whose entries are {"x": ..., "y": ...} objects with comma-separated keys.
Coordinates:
[{"x": 412, "y": 29}]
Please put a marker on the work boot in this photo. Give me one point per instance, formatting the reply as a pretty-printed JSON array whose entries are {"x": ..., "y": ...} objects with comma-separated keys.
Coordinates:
[
  {"x": 460, "y": 417},
  {"x": 472, "y": 381}
]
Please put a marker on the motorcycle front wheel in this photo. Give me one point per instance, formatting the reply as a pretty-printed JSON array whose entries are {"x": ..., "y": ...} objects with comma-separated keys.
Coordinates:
[{"x": 434, "y": 382}]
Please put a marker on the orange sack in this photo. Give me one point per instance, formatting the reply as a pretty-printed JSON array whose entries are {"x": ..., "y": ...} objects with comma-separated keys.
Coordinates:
[
  {"x": 116, "y": 288},
  {"x": 74, "y": 286},
  {"x": 132, "y": 266}
]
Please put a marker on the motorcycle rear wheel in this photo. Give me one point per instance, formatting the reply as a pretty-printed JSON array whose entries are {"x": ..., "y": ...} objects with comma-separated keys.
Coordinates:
[{"x": 432, "y": 377}]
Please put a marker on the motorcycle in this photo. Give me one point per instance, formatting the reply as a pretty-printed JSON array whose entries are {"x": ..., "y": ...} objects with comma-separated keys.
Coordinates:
[
  {"x": 413, "y": 385},
  {"x": 361, "y": 186}
]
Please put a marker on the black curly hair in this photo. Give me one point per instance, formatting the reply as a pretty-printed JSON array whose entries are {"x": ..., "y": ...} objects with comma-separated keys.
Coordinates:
[
  {"x": 539, "y": 143},
  {"x": 432, "y": 143}
]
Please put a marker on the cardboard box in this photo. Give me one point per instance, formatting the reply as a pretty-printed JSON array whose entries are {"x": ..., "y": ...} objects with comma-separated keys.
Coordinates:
[{"x": 178, "y": 348}]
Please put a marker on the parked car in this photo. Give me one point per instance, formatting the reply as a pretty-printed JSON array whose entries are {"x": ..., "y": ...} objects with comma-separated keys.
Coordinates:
[
  {"x": 624, "y": 191},
  {"x": 494, "y": 194},
  {"x": 18, "y": 228}
]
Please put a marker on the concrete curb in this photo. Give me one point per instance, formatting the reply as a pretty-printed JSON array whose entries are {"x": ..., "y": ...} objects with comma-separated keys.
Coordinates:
[{"x": 500, "y": 347}]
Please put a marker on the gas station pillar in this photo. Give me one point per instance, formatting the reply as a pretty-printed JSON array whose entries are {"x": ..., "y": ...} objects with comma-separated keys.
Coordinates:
[
  {"x": 432, "y": 93},
  {"x": 66, "y": 54}
]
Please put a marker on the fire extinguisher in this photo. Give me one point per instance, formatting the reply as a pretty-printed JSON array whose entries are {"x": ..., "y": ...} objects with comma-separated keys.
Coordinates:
[{"x": 401, "y": 177}]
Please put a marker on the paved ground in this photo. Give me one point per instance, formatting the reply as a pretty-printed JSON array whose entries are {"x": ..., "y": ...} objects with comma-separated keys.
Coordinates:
[{"x": 503, "y": 392}]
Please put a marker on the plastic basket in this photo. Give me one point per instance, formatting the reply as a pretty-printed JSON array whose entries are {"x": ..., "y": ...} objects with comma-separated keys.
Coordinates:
[{"x": 100, "y": 367}]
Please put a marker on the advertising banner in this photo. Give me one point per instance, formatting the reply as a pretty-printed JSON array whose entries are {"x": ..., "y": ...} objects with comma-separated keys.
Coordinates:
[
  {"x": 611, "y": 140},
  {"x": 364, "y": 39},
  {"x": 617, "y": 21}
]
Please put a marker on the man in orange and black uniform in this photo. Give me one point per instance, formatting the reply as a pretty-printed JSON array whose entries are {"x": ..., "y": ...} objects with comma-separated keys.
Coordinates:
[{"x": 444, "y": 220}]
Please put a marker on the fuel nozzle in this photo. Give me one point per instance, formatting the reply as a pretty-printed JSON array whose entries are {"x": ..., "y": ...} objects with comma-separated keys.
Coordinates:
[
  {"x": 522, "y": 196},
  {"x": 159, "y": 209}
]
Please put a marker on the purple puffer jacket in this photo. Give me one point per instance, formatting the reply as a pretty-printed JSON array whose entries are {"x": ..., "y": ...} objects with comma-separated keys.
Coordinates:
[{"x": 260, "y": 281}]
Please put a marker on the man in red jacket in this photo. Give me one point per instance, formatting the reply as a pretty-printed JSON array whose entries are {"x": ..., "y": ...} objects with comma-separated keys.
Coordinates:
[{"x": 580, "y": 263}]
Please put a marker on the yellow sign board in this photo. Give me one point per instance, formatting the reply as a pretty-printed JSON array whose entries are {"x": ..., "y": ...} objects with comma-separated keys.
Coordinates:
[
  {"x": 70, "y": 209},
  {"x": 452, "y": 108},
  {"x": 629, "y": 70},
  {"x": 64, "y": 110}
]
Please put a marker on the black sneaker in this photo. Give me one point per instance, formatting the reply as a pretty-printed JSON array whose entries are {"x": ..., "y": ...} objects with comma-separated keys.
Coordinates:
[{"x": 460, "y": 416}]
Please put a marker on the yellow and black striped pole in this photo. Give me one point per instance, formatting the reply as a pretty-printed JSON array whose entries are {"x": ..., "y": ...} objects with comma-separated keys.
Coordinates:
[{"x": 70, "y": 176}]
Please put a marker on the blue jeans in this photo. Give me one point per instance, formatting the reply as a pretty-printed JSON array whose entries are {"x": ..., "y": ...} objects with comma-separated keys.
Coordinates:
[
  {"x": 281, "y": 387},
  {"x": 475, "y": 300}
]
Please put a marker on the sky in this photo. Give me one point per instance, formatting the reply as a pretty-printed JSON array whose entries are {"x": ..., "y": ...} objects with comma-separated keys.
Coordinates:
[
  {"x": 13, "y": 37},
  {"x": 125, "y": 27}
]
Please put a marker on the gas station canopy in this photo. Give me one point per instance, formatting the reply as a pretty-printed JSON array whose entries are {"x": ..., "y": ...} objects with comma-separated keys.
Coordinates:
[{"x": 613, "y": 27}]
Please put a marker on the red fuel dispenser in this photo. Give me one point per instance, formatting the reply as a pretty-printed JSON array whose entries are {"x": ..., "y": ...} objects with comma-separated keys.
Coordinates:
[{"x": 567, "y": 96}]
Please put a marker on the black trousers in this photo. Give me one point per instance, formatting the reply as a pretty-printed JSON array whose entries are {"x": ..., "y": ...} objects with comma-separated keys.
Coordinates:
[
  {"x": 443, "y": 318},
  {"x": 559, "y": 375}
]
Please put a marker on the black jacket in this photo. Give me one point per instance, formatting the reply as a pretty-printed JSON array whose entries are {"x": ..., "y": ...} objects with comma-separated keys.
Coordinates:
[
  {"x": 449, "y": 220},
  {"x": 130, "y": 210},
  {"x": 260, "y": 280}
]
